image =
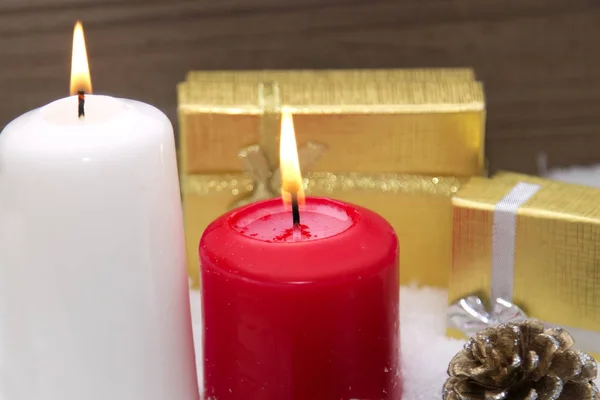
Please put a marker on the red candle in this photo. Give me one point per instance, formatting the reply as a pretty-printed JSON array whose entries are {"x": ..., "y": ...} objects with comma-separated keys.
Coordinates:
[
  {"x": 304, "y": 319},
  {"x": 304, "y": 311}
]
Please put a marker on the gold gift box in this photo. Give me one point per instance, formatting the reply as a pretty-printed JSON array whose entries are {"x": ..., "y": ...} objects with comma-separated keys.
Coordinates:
[
  {"x": 399, "y": 148},
  {"x": 422, "y": 128},
  {"x": 556, "y": 263}
]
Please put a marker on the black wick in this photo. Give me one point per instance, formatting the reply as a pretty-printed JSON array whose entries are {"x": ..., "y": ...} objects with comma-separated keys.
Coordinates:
[
  {"x": 81, "y": 108},
  {"x": 295, "y": 209}
]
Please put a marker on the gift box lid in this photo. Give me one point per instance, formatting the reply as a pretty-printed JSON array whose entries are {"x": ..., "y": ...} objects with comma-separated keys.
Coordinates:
[
  {"x": 334, "y": 97},
  {"x": 345, "y": 75}
]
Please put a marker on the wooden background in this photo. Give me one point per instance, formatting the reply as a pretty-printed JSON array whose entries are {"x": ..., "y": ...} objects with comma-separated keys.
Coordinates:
[{"x": 538, "y": 58}]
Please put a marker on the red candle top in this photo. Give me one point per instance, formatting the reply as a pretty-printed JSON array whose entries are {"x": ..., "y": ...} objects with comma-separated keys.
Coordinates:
[
  {"x": 300, "y": 313},
  {"x": 272, "y": 224},
  {"x": 269, "y": 222}
]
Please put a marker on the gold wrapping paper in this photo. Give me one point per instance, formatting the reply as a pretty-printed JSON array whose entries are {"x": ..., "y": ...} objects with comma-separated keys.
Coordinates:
[
  {"x": 342, "y": 75},
  {"x": 556, "y": 245},
  {"x": 420, "y": 128},
  {"x": 379, "y": 145},
  {"x": 417, "y": 206}
]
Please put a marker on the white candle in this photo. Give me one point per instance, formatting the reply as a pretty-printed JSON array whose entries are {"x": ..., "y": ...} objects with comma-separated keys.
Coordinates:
[{"x": 93, "y": 289}]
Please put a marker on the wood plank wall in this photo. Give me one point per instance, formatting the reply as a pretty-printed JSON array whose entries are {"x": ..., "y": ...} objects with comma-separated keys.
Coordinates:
[{"x": 538, "y": 58}]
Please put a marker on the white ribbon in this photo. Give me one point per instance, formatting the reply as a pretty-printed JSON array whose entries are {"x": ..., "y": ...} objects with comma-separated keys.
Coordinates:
[{"x": 469, "y": 314}]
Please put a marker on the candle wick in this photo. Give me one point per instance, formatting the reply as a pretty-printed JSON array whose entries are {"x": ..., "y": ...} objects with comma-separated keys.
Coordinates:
[
  {"x": 81, "y": 108},
  {"x": 296, "y": 233},
  {"x": 295, "y": 209}
]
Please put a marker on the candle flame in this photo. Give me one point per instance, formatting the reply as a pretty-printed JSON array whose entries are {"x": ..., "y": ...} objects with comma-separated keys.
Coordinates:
[
  {"x": 80, "y": 69},
  {"x": 291, "y": 177}
]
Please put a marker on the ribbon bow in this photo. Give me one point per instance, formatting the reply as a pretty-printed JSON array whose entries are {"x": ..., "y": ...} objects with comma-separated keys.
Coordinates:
[
  {"x": 267, "y": 181},
  {"x": 470, "y": 316}
]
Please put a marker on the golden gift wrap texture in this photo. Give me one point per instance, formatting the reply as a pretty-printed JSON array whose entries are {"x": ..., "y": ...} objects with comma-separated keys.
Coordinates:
[
  {"x": 345, "y": 76},
  {"x": 400, "y": 148},
  {"x": 556, "y": 249}
]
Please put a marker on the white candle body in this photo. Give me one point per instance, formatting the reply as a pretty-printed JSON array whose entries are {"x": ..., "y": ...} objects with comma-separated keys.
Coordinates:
[{"x": 94, "y": 300}]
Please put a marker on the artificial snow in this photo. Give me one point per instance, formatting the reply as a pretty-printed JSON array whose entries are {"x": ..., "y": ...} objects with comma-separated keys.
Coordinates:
[{"x": 426, "y": 351}]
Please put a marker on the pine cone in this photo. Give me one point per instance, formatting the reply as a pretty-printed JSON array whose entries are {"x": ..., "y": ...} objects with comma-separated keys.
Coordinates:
[{"x": 521, "y": 361}]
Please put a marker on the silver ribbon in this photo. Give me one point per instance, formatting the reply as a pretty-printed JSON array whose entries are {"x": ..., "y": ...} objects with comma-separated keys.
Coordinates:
[
  {"x": 469, "y": 314},
  {"x": 503, "y": 239}
]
